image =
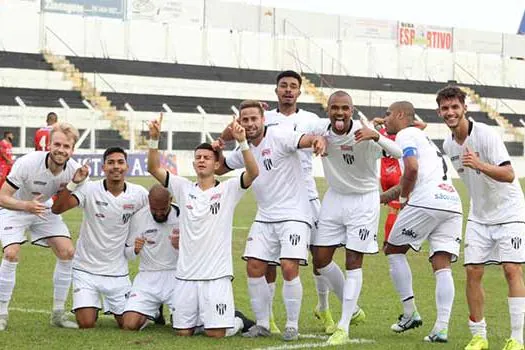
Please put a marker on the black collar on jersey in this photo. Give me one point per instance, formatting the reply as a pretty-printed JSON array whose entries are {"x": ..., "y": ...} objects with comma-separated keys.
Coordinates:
[
  {"x": 217, "y": 182},
  {"x": 470, "y": 126},
  {"x": 265, "y": 130},
  {"x": 349, "y": 129},
  {"x": 106, "y": 187},
  {"x": 296, "y": 110},
  {"x": 47, "y": 158},
  {"x": 176, "y": 207}
]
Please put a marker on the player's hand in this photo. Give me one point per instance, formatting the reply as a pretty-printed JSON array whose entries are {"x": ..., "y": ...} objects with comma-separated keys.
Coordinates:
[
  {"x": 36, "y": 207},
  {"x": 378, "y": 121},
  {"x": 238, "y": 132},
  {"x": 319, "y": 146},
  {"x": 154, "y": 128},
  {"x": 470, "y": 159},
  {"x": 139, "y": 243},
  {"x": 218, "y": 145},
  {"x": 366, "y": 133},
  {"x": 265, "y": 105},
  {"x": 82, "y": 173},
  {"x": 174, "y": 238}
]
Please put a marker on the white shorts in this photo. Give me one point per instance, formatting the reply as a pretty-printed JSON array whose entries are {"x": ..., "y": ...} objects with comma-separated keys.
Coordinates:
[
  {"x": 208, "y": 303},
  {"x": 150, "y": 290},
  {"x": 349, "y": 219},
  {"x": 89, "y": 288},
  {"x": 494, "y": 244},
  {"x": 315, "y": 206},
  {"x": 13, "y": 225},
  {"x": 441, "y": 228},
  {"x": 272, "y": 242}
]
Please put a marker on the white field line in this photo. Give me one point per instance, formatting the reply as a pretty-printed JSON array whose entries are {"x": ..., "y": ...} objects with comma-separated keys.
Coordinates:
[
  {"x": 48, "y": 312},
  {"x": 241, "y": 227},
  {"x": 314, "y": 345}
]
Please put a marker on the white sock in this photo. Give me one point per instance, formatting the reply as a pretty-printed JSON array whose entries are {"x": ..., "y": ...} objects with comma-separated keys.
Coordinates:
[
  {"x": 323, "y": 290},
  {"x": 444, "y": 298},
  {"x": 335, "y": 278},
  {"x": 353, "y": 284},
  {"x": 402, "y": 278},
  {"x": 238, "y": 326},
  {"x": 260, "y": 300},
  {"x": 517, "y": 312},
  {"x": 292, "y": 295},
  {"x": 272, "y": 296},
  {"x": 61, "y": 282},
  {"x": 7, "y": 284},
  {"x": 478, "y": 328}
]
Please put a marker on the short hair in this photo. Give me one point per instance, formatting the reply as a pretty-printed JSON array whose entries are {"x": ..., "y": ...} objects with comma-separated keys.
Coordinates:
[
  {"x": 68, "y": 129},
  {"x": 111, "y": 150},
  {"x": 406, "y": 107},
  {"x": 208, "y": 147},
  {"x": 7, "y": 132},
  {"x": 450, "y": 92},
  {"x": 291, "y": 74},
  {"x": 251, "y": 104},
  {"x": 340, "y": 93},
  {"x": 51, "y": 118}
]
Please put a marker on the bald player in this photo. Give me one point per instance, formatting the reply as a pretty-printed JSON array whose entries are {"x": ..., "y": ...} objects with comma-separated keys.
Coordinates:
[
  {"x": 42, "y": 135},
  {"x": 431, "y": 211}
]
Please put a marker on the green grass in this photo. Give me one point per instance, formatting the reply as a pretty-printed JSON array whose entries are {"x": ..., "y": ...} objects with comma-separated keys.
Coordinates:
[{"x": 378, "y": 297}]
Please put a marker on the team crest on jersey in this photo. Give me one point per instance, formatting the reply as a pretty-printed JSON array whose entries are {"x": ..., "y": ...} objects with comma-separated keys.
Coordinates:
[
  {"x": 215, "y": 207},
  {"x": 128, "y": 206},
  {"x": 295, "y": 239},
  {"x": 126, "y": 217},
  {"x": 348, "y": 158},
  {"x": 221, "y": 308},
  {"x": 516, "y": 242},
  {"x": 346, "y": 148}
]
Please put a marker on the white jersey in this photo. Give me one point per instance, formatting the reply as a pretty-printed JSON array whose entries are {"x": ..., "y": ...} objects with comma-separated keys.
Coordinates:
[
  {"x": 301, "y": 121},
  {"x": 433, "y": 188},
  {"x": 31, "y": 176},
  {"x": 105, "y": 227},
  {"x": 158, "y": 253},
  {"x": 206, "y": 220},
  {"x": 349, "y": 167},
  {"x": 279, "y": 188},
  {"x": 492, "y": 202}
]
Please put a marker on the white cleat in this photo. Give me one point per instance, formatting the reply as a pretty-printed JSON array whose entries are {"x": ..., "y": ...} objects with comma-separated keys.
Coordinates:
[
  {"x": 59, "y": 319},
  {"x": 3, "y": 322}
]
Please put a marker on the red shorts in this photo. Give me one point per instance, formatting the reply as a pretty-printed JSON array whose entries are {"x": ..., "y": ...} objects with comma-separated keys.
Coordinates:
[
  {"x": 389, "y": 181},
  {"x": 4, "y": 171}
]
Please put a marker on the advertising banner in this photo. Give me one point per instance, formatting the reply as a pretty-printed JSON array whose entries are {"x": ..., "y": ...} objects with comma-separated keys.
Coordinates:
[
  {"x": 433, "y": 37},
  {"x": 101, "y": 8}
]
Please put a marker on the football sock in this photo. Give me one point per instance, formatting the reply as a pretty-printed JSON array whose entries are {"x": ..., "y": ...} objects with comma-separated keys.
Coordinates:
[
  {"x": 478, "y": 328},
  {"x": 516, "y": 311},
  {"x": 61, "y": 282},
  {"x": 292, "y": 295},
  {"x": 335, "y": 278},
  {"x": 260, "y": 300},
  {"x": 402, "y": 278},
  {"x": 444, "y": 298},
  {"x": 7, "y": 284},
  {"x": 353, "y": 284},
  {"x": 323, "y": 290}
]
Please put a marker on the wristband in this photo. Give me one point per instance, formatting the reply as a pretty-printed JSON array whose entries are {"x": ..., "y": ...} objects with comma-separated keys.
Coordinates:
[
  {"x": 243, "y": 146},
  {"x": 403, "y": 200},
  {"x": 71, "y": 186},
  {"x": 153, "y": 144}
]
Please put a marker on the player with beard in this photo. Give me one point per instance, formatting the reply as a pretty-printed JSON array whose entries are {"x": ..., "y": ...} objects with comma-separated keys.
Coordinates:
[
  {"x": 281, "y": 230},
  {"x": 6, "y": 156},
  {"x": 100, "y": 267},
  {"x": 496, "y": 223},
  {"x": 34, "y": 179}
]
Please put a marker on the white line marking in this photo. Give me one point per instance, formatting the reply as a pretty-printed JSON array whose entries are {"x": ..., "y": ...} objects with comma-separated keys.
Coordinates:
[
  {"x": 314, "y": 345},
  {"x": 240, "y": 227},
  {"x": 32, "y": 311}
]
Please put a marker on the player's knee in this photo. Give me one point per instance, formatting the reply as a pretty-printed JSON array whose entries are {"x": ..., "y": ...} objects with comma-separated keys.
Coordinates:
[
  {"x": 256, "y": 268},
  {"x": 290, "y": 269},
  {"x": 354, "y": 260},
  {"x": 131, "y": 323},
  {"x": 11, "y": 252},
  {"x": 86, "y": 324},
  {"x": 512, "y": 272},
  {"x": 215, "y": 333},
  {"x": 65, "y": 253},
  {"x": 474, "y": 272},
  {"x": 184, "y": 332}
]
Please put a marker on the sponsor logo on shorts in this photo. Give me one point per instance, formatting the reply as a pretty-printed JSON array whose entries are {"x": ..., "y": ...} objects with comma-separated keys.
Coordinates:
[
  {"x": 76, "y": 290},
  {"x": 408, "y": 232},
  {"x": 215, "y": 207},
  {"x": 126, "y": 217},
  {"x": 7, "y": 228},
  {"x": 295, "y": 238},
  {"x": 363, "y": 233},
  {"x": 103, "y": 204},
  {"x": 40, "y": 183},
  {"x": 516, "y": 242},
  {"x": 220, "y": 308}
]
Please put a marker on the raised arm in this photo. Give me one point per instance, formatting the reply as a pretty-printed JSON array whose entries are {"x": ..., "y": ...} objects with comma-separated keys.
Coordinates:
[
  {"x": 66, "y": 200},
  {"x": 367, "y": 133},
  {"x": 318, "y": 143},
  {"x": 154, "y": 167},
  {"x": 252, "y": 170}
]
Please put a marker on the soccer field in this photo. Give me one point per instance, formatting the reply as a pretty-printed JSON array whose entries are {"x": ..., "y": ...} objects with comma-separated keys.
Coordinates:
[{"x": 29, "y": 309}]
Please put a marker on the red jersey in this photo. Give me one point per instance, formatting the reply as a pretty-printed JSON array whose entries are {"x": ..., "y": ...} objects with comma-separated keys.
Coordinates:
[
  {"x": 42, "y": 137},
  {"x": 390, "y": 169},
  {"x": 6, "y": 149}
]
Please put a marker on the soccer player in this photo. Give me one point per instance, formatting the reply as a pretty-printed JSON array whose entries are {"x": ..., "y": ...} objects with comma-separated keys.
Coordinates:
[
  {"x": 496, "y": 223},
  {"x": 431, "y": 210},
  {"x": 281, "y": 230},
  {"x": 42, "y": 135},
  {"x": 153, "y": 236},
  {"x": 350, "y": 210},
  {"x": 34, "y": 179},
  {"x": 204, "y": 269},
  {"x": 100, "y": 267},
  {"x": 288, "y": 115},
  {"x": 6, "y": 156},
  {"x": 391, "y": 174}
]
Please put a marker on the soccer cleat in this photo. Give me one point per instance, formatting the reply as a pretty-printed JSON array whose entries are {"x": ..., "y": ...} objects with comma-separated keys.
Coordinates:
[
  {"x": 159, "y": 318},
  {"x": 512, "y": 344},
  {"x": 437, "y": 337},
  {"x": 59, "y": 319},
  {"x": 273, "y": 327},
  {"x": 290, "y": 334},
  {"x": 340, "y": 337},
  {"x": 257, "y": 331},
  {"x": 358, "y": 317},
  {"x": 247, "y": 323},
  {"x": 3, "y": 322},
  {"x": 326, "y": 319},
  {"x": 407, "y": 322},
  {"x": 477, "y": 343}
]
